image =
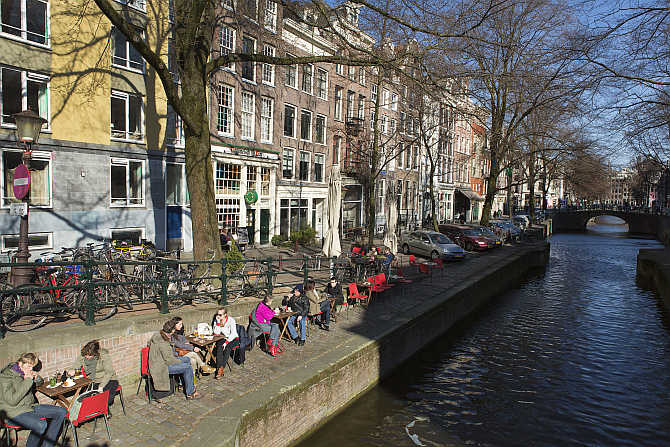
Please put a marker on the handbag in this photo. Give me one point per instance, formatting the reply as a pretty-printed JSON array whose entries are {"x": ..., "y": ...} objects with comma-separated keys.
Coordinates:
[{"x": 181, "y": 352}]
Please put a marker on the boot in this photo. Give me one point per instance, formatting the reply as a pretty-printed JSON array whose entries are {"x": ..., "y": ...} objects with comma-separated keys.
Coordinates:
[
  {"x": 206, "y": 369},
  {"x": 271, "y": 348},
  {"x": 219, "y": 372}
]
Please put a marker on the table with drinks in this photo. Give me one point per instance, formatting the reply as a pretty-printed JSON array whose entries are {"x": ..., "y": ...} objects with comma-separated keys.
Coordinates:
[
  {"x": 56, "y": 388},
  {"x": 283, "y": 317},
  {"x": 206, "y": 342}
]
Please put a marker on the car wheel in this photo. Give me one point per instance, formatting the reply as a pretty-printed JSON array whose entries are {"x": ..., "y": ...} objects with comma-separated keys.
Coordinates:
[
  {"x": 405, "y": 249},
  {"x": 434, "y": 255}
]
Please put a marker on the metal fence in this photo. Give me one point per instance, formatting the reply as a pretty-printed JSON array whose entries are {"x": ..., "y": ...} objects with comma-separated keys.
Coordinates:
[{"x": 94, "y": 291}]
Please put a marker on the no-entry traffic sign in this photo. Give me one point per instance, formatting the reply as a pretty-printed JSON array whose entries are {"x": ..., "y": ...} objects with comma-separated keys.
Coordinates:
[{"x": 21, "y": 181}]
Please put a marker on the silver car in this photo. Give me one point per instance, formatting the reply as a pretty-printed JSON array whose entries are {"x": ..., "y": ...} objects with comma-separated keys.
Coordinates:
[{"x": 431, "y": 244}]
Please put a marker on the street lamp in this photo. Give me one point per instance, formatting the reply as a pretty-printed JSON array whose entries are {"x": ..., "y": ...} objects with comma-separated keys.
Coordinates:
[{"x": 28, "y": 128}]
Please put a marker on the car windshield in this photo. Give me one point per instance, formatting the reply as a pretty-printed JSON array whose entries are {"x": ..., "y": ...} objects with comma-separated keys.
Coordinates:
[
  {"x": 486, "y": 232},
  {"x": 470, "y": 233},
  {"x": 440, "y": 239}
]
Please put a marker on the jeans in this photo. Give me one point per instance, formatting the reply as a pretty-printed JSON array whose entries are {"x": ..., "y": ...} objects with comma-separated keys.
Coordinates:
[
  {"x": 273, "y": 329},
  {"x": 42, "y": 433},
  {"x": 291, "y": 327},
  {"x": 184, "y": 368},
  {"x": 325, "y": 309},
  {"x": 222, "y": 354},
  {"x": 112, "y": 385}
]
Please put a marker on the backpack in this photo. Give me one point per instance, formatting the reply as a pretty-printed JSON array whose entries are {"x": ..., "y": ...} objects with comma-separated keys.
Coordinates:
[{"x": 73, "y": 414}]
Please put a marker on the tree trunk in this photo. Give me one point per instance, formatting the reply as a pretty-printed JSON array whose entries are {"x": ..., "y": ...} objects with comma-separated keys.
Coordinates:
[
  {"x": 431, "y": 188},
  {"x": 491, "y": 187}
]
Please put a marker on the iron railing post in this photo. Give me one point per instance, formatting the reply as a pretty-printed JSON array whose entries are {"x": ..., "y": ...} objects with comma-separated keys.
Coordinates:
[
  {"x": 269, "y": 261},
  {"x": 306, "y": 270},
  {"x": 224, "y": 282},
  {"x": 164, "y": 286},
  {"x": 90, "y": 296}
]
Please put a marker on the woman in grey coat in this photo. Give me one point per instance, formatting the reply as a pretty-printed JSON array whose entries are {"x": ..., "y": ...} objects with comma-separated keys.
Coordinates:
[{"x": 179, "y": 341}]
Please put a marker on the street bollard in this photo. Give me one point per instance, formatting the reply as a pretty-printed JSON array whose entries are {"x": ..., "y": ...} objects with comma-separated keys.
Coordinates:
[
  {"x": 164, "y": 287},
  {"x": 269, "y": 261},
  {"x": 90, "y": 296},
  {"x": 224, "y": 282}
]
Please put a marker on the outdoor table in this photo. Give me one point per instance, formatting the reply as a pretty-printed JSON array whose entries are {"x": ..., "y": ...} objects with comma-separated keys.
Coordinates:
[
  {"x": 205, "y": 343},
  {"x": 283, "y": 319},
  {"x": 58, "y": 393}
]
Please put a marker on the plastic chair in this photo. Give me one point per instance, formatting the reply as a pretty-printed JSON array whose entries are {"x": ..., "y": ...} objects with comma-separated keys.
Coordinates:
[
  {"x": 91, "y": 408},
  {"x": 6, "y": 438},
  {"x": 382, "y": 281},
  {"x": 144, "y": 373},
  {"x": 356, "y": 250},
  {"x": 354, "y": 295},
  {"x": 412, "y": 260},
  {"x": 119, "y": 391}
]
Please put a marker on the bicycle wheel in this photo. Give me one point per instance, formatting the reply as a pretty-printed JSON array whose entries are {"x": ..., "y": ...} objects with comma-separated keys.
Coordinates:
[
  {"x": 19, "y": 307},
  {"x": 104, "y": 305}
]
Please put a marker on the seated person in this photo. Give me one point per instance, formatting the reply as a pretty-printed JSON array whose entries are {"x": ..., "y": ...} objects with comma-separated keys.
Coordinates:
[
  {"x": 163, "y": 362},
  {"x": 225, "y": 239},
  {"x": 264, "y": 316},
  {"x": 96, "y": 364},
  {"x": 299, "y": 304},
  {"x": 179, "y": 341},
  {"x": 18, "y": 404},
  {"x": 334, "y": 290},
  {"x": 224, "y": 325},
  {"x": 388, "y": 260},
  {"x": 317, "y": 305}
]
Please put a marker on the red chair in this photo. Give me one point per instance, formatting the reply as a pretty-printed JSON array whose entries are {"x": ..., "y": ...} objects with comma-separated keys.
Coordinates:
[
  {"x": 91, "y": 408},
  {"x": 381, "y": 282},
  {"x": 354, "y": 295},
  {"x": 356, "y": 250},
  {"x": 119, "y": 391},
  {"x": 6, "y": 438},
  {"x": 423, "y": 268},
  {"x": 144, "y": 373},
  {"x": 412, "y": 260}
]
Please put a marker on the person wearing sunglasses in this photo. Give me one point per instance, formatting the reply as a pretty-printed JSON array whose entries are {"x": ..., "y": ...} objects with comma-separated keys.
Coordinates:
[{"x": 223, "y": 324}]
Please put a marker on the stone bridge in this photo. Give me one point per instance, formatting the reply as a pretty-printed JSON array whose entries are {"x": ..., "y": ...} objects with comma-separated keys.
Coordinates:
[{"x": 638, "y": 223}]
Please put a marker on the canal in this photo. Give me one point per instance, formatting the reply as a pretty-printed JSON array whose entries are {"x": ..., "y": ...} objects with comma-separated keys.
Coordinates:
[{"x": 577, "y": 355}]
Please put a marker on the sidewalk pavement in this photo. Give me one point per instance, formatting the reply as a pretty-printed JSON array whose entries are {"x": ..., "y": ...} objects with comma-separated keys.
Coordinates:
[{"x": 178, "y": 422}]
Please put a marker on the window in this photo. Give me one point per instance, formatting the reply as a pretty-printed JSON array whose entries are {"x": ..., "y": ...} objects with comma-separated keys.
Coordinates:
[
  {"x": 293, "y": 215},
  {"x": 287, "y": 164},
  {"x": 227, "y": 44},
  {"x": 176, "y": 191},
  {"x": 322, "y": 83},
  {"x": 339, "y": 69},
  {"x": 303, "y": 172},
  {"x": 338, "y": 103},
  {"x": 402, "y": 122},
  {"x": 124, "y": 53},
  {"x": 394, "y": 101},
  {"x": 384, "y": 124},
  {"x": 248, "y": 67},
  {"x": 224, "y": 123},
  {"x": 337, "y": 146},
  {"x": 252, "y": 174},
  {"x": 174, "y": 130},
  {"x": 127, "y": 116},
  {"x": 318, "y": 167},
  {"x": 415, "y": 157},
  {"x": 270, "y": 17},
  {"x": 268, "y": 69},
  {"x": 380, "y": 186},
  {"x": 372, "y": 120},
  {"x": 320, "y": 129},
  {"x": 361, "y": 76},
  {"x": 248, "y": 115},
  {"x": 361, "y": 107},
  {"x": 228, "y": 178},
  {"x": 289, "y": 120},
  {"x": 352, "y": 73},
  {"x": 40, "y": 177},
  {"x": 408, "y": 156},
  {"x": 249, "y": 8},
  {"x": 373, "y": 94},
  {"x": 228, "y": 213},
  {"x": 137, "y": 4},
  {"x": 25, "y": 19},
  {"x": 265, "y": 182},
  {"x": 36, "y": 241},
  {"x": 385, "y": 99},
  {"x": 392, "y": 126},
  {"x": 400, "y": 156},
  {"x": 267, "y": 111},
  {"x": 306, "y": 125},
  {"x": 307, "y": 71},
  {"x": 127, "y": 182},
  {"x": 22, "y": 90},
  {"x": 350, "y": 104},
  {"x": 291, "y": 74}
]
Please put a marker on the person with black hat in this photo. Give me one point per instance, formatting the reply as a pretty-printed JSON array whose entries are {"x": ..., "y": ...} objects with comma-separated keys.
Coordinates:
[{"x": 299, "y": 303}]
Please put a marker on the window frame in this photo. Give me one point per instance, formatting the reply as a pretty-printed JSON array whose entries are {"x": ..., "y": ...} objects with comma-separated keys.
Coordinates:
[
  {"x": 338, "y": 104},
  {"x": 307, "y": 163},
  {"x": 316, "y": 127},
  {"x": 269, "y": 118},
  {"x": 221, "y": 110},
  {"x": 322, "y": 93},
  {"x": 268, "y": 68},
  {"x": 223, "y": 50},
  {"x": 272, "y": 27},
  {"x": 305, "y": 74},
  {"x": 250, "y": 114},
  {"x": 394, "y": 101},
  {"x": 23, "y": 26},
  {"x": 293, "y": 69},
  {"x": 293, "y": 125},
  {"x": 118, "y": 161},
  {"x": 184, "y": 199},
  {"x": 311, "y": 116},
  {"x": 246, "y": 38},
  {"x": 322, "y": 157},
  {"x": 128, "y": 47},
  {"x": 37, "y": 155},
  {"x": 118, "y": 94},
  {"x": 284, "y": 164},
  {"x": 26, "y": 76}
]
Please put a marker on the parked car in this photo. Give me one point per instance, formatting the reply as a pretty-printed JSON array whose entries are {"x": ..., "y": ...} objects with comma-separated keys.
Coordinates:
[
  {"x": 521, "y": 221},
  {"x": 514, "y": 231},
  {"x": 493, "y": 239},
  {"x": 501, "y": 230},
  {"x": 431, "y": 244},
  {"x": 465, "y": 236}
]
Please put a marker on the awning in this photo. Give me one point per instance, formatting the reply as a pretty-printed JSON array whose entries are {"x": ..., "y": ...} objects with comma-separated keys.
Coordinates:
[{"x": 470, "y": 194}]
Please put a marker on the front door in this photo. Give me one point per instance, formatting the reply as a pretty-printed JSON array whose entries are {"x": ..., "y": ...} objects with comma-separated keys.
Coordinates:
[
  {"x": 174, "y": 233},
  {"x": 251, "y": 225},
  {"x": 265, "y": 226}
]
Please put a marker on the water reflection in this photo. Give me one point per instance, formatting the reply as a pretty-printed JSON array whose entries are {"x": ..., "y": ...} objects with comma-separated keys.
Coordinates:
[
  {"x": 611, "y": 225},
  {"x": 577, "y": 356}
]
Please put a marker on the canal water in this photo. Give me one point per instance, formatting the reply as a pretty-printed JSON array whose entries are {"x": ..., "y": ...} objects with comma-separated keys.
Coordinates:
[{"x": 578, "y": 355}]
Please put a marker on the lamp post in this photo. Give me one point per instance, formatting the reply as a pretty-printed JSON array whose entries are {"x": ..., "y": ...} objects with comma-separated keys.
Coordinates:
[{"x": 28, "y": 128}]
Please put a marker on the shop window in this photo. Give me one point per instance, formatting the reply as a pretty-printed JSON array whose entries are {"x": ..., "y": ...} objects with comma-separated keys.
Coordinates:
[
  {"x": 265, "y": 182},
  {"x": 228, "y": 178},
  {"x": 228, "y": 213}
]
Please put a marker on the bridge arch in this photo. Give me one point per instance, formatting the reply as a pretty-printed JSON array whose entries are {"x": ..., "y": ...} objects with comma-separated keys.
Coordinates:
[
  {"x": 638, "y": 223},
  {"x": 607, "y": 223}
]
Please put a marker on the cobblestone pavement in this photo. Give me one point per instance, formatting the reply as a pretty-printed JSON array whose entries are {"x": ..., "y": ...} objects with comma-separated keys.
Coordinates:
[{"x": 173, "y": 419}]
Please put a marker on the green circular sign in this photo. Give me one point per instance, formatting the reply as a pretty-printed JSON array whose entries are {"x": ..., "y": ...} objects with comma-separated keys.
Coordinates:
[{"x": 251, "y": 196}]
